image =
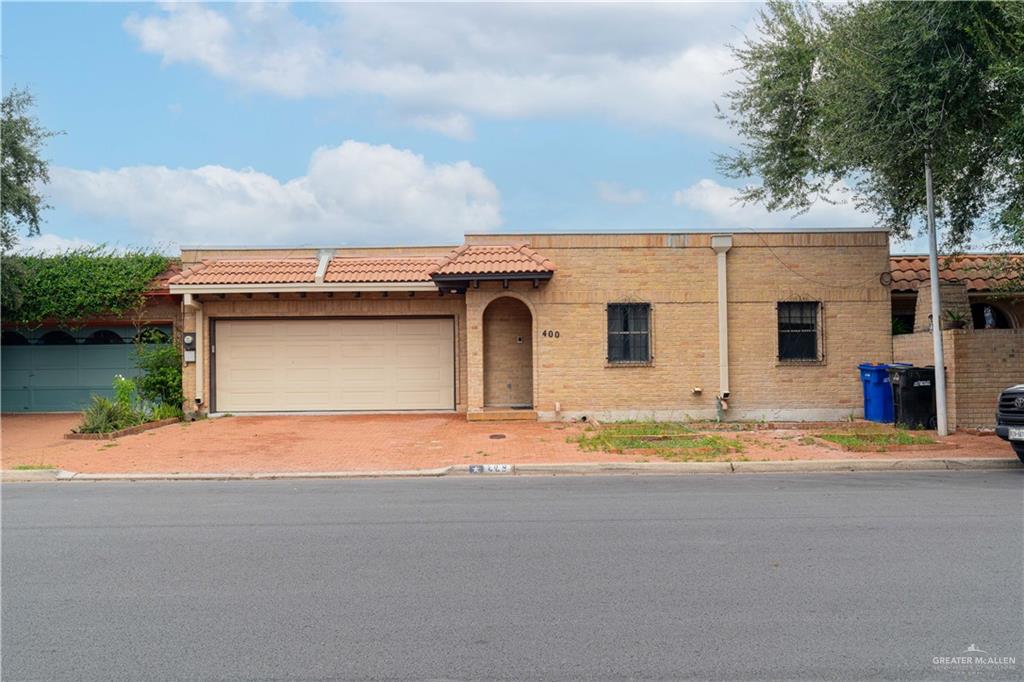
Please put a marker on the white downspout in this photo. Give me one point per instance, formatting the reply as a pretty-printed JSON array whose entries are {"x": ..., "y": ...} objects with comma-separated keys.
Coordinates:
[
  {"x": 721, "y": 243},
  {"x": 197, "y": 307}
]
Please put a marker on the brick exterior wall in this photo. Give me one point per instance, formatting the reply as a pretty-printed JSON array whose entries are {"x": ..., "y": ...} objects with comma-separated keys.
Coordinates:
[
  {"x": 953, "y": 298},
  {"x": 508, "y": 354},
  {"x": 986, "y": 362},
  {"x": 676, "y": 274},
  {"x": 979, "y": 364}
]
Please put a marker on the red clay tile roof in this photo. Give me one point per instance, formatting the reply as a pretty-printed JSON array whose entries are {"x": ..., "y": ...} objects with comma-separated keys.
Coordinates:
[
  {"x": 495, "y": 259},
  {"x": 232, "y": 271},
  {"x": 977, "y": 271},
  {"x": 411, "y": 269},
  {"x": 160, "y": 283},
  {"x": 466, "y": 260}
]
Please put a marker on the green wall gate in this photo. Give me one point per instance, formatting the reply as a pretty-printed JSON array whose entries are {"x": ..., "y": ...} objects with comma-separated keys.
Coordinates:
[{"x": 62, "y": 378}]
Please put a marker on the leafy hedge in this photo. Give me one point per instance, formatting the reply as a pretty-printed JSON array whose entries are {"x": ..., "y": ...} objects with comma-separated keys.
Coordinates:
[{"x": 76, "y": 285}]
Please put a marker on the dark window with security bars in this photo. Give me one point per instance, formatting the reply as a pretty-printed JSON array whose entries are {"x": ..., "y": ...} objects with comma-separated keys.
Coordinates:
[
  {"x": 799, "y": 331},
  {"x": 629, "y": 332}
]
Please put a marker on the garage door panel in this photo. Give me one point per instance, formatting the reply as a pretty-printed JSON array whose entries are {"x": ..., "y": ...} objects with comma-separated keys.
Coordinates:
[
  {"x": 53, "y": 378},
  {"x": 360, "y": 330},
  {"x": 357, "y": 375},
  {"x": 63, "y": 378},
  {"x": 358, "y": 355},
  {"x": 335, "y": 364},
  {"x": 308, "y": 376}
]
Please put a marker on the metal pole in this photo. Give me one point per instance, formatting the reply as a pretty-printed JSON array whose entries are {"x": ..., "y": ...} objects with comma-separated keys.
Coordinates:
[{"x": 933, "y": 277}]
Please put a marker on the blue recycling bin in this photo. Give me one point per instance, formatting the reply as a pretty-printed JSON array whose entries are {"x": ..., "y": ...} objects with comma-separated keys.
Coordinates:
[{"x": 877, "y": 392}]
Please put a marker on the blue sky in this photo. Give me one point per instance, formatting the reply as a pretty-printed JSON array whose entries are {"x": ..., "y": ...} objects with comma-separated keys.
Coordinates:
[{"x": 380, "y": 124}]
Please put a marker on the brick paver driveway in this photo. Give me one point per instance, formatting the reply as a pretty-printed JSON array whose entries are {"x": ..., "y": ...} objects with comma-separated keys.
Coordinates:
[
  {"x": 294, "y": 443},
  {"x": 370, "y": 442}
]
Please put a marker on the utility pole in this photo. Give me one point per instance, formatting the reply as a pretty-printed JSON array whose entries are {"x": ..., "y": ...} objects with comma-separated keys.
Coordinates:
[{"x": 933, "y": 276}]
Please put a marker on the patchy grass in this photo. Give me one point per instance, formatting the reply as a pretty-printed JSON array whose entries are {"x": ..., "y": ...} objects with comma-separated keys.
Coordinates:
[
  {"x": 876, "y": 439},
  {"x": 34, "y": 467},
  {"x": 669, "y": 440}
]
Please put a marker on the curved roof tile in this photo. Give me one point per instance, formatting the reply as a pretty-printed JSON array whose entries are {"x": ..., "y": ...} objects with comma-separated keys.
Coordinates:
[
  {"x": 495, "y": 259},
  {"x": 979, "y": 272}
]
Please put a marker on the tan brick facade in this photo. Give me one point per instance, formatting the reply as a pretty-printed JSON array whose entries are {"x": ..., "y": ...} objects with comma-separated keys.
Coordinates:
[
  {"x": 508, "y": 354},
  {"x": 676, "y": 275},
  {"x": 979, "y": 364},
  {"x": 952, "y": 297}
]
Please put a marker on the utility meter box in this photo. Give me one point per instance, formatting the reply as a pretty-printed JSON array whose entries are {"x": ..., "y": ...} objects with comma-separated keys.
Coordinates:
[{"x": 188, "y": 342}]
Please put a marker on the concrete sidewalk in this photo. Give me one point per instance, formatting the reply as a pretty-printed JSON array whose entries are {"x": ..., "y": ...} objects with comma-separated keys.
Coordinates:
[{"x": 571, "y": 469}]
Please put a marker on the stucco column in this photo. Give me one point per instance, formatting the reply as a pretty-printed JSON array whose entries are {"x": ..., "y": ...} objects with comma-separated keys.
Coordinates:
[{"x": 475, "y": 304}]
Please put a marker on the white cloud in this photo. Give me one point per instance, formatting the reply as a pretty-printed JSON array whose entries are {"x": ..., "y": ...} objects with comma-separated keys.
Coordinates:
[
  {"x": 49, "y": 244},
  {"x": 718, "y": 203},
  {"x": 355, "y": 193},
  {"x": 661, "y": 64},
  {"x": 614, "y": 193},
  {"x": 457, "y": 126}
]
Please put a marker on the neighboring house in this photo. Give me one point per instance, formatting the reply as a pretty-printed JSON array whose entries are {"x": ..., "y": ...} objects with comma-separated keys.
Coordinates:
[
  {"x": 57, "y": 368},
  {"x": 978, "y": 280},
  {"x": 983, "y": 357},
  {"x": 612, "y": 326}
]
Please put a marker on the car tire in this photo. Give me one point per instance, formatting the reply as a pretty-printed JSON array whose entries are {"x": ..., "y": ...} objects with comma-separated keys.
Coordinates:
[{"x": 1019, "y": 449}]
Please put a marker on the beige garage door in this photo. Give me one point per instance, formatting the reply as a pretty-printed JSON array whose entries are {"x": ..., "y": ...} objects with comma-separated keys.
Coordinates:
[{"x": 338, "y": 364}]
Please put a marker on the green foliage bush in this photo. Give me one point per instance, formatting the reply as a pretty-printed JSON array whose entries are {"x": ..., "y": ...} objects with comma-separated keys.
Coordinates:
[
  {"x": 165, "y": 411},
  {"x": 127, "y": 409},
  {"x": 104, "y": 415},
  {"x": 160, "y": 382},
  {"x": 76, "y": 284}
]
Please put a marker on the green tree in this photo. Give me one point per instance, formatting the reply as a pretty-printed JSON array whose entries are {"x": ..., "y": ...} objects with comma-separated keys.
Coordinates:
[
  {"x": 22, "y": 169},
  {"x": 860, "y": 95}
]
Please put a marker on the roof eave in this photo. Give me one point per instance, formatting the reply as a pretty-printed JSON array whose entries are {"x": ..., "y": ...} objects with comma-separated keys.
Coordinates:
[{"x": 300, "y": 287}]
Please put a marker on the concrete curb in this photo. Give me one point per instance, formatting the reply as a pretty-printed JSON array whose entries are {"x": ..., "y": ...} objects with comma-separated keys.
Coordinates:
[
  {"x": 29, "y": 475},
  {"x": 576, "y": 469}
]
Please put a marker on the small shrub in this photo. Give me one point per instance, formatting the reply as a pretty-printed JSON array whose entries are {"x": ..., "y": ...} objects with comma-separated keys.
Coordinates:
[
  {"x": 124, "y": 391},
  {"x": 127, "y": 409},
  {"x": 165, "y": 411},
  {"x": 104, "y": 415},
  {"x": 160, "y": 382}
]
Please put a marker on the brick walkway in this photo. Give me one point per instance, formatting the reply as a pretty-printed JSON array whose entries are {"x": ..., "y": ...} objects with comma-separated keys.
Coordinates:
[{"x": 364, "y": 442}]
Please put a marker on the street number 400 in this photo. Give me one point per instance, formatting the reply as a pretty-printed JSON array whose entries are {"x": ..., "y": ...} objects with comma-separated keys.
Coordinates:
[{"x": 551, "y": 333}]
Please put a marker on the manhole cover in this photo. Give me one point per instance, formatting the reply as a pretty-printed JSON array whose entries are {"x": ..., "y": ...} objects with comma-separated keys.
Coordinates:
[{"x": 496, "y": 436}]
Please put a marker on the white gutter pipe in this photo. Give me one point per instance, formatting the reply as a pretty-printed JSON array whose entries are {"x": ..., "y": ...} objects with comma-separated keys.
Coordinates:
[
  {"x": 192, "y": 304},
  {"x": 721, "y": 243}
]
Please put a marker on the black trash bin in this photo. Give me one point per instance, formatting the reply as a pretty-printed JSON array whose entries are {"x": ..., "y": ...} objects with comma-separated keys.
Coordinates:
[{"x": 913, "y": 396}]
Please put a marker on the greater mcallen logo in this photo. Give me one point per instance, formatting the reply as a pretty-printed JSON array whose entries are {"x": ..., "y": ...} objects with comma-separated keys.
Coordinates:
[{"x": 972, "y": 656}]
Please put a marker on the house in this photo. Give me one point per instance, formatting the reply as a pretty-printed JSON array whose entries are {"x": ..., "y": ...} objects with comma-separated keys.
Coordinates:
[
  {"x": 664, "y": 325},
  {"x": 54, "y": 367},
  {"x": 970, "y": 284},
  {"x": 986, "y": 353}
]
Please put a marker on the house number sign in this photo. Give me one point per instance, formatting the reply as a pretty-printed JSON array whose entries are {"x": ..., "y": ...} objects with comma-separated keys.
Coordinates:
[{"x": 551, "y": 333}]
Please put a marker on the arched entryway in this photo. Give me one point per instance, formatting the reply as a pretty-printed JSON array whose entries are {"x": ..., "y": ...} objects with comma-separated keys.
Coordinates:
[
  {"x": 988, "y": 315},
  {"x": 508, "y": 354}
]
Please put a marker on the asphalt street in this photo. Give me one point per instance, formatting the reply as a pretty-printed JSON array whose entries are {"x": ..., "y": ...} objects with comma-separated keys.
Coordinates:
[{"x": 809, "y": 576}]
